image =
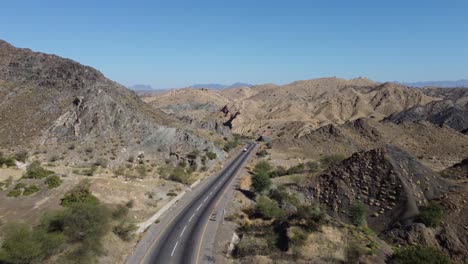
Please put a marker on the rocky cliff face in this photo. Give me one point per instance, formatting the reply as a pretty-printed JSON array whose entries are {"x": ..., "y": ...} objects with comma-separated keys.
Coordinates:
[
  {"x": 391, "y": 182},
  {"x": 451, "y": 111},
  {"x": 49, "y": 101}
]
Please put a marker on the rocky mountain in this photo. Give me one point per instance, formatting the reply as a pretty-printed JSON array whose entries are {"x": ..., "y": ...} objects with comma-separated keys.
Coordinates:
[
  {"x": 141, "y": 88},
  {"x": 452, "y": 110},
  {"x": 266, "y": 109},
  {"x": 49, "y": 102}
]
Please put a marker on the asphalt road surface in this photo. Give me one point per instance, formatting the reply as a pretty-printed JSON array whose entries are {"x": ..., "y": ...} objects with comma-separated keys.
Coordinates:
[{"x": 180, "y": 241}]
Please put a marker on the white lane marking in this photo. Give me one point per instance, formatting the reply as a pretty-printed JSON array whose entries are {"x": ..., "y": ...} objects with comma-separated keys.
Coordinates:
[
  {"x": 183, "y": 230},
  {"x": 198, "y": 208},
  {"x": 205, "y": 199},
  {"x": 191, "y": 217},
  {"x": 210, "y": 193},
  {"x": 172, "y": 254}
]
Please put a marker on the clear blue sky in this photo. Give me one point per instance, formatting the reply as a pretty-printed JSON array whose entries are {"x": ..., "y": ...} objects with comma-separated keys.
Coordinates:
[{"x": 177, "y": 43}]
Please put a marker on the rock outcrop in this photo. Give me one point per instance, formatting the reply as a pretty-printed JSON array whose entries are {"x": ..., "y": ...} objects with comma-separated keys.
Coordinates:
[{"x": 391, "y": 182}]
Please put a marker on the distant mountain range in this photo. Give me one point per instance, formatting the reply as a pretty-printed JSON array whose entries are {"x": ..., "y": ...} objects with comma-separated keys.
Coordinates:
[
  {"x": 213, "y": 86},
  {"x": 217, "y": 86},
  {"x": 444, "y": 84},
  {"x": 141, "y": 87}
]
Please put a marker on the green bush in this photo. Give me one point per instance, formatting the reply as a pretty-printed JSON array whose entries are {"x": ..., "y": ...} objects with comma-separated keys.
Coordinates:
[
  {"x": 8, "y": 161},
  {"x": 180, "y": 175},
  {"x": 36, "y": 171},
  {"x": 30, "y": 190},
  {"x": 79, "y": 195},
  {"x": 329, "y": 160},
  {"x": 21, "y": 244},
  {"x": 14, "y": 193},
  {"x": 358, "y": 214},
  {"x": 420, "y": 255},
  {"x": 53, "y": 181},
  {"x": 211, "y": 155},
  {"x": 261, "y": 182},
  {"x": 312, "y": 166},
  {"x": 297, "y": 169},
  {"x": 431, "y": 215},
  {"x": 231, "y": 144},
  {"x": 311, "y": 217},
  {"x": 354, "y": 252},
  {"x": 263, "y": 167},
  {"x": 120, "y": 212},
  {"x": 269, "y": 208},
  {"x": 262, "y": 153},
  {"x": 124, "y": 230}
]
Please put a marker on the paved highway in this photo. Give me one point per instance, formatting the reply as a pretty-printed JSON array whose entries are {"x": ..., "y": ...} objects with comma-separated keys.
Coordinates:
[{"x": 180, "y": 240}]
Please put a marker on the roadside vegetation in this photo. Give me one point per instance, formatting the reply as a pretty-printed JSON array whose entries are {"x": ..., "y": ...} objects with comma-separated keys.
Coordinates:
[
  {"x": 6, "y": 161},
  {"x": 73, "y": 234},
  {"x": 232, "y": 144},
  {"x": 420, "y": 255}
]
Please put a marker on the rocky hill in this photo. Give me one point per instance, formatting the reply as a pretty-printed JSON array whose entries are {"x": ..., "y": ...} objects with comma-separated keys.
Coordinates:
[
  {"x": 452, "y": 110},
  {"x": 50, "y": 102},
  {"x": 390, "y": 181}
]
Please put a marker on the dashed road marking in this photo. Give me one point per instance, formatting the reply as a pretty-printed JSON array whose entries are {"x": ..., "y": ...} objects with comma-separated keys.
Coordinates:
[
  {"x": 172, "y": 254},
  {"x": 183, "y": 230},
  {"x": 191, "y": 217}
]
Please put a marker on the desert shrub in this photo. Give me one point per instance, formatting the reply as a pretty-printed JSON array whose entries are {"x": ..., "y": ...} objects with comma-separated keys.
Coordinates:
[
  {"x": 358, "y": 214},
  {"x": 431, "y": 215},
  {"x": 89, "y": 150},
  {"x": 53, "y": 181},
  {"x": 180, "y": 175},
  {"x": 354, "y": 252},
  {"x": 194, "y": 154},
  {"x": 312, "y": 217},
  {"x": 79, "y": 195},
  {"x": 21, "y": 244},
  {"x": 329, "y": 160},
  {"x": 120, "y": 212},
  {"x": 232, "y": 144},
  {"x": 171, "y": 194},
  {"x": 261, "y": 182},
  {"x": 420, "y": 255},
  {"x": 269, "y": 208},
  {"x": 14, "y": 193},
  {"x": 30, "y": 190},
  {"x": 312, "y": 166},
  {"x": 130, "y": 204},
  {"x": 131, "y": 159},
  {"x": 8, "y": 161},
  {"x": 262, "y": 153},
  {"x": 101, "y": 162},
  {"x": 263, "y": 167},
  {"x": 297, "y": 169},
  {"x": 124, "y": 230},
  {"x": 297, "y": 237},
  {"x": 90, "y": 171},
  {"x": 119, "y": 171},
  {"x": 141, "y": 169},
  {"x": 21, "y": 155},
  {"x": 211, "y": 155},
  {"x": 36, "y": 171},
  {"x": 279, "y": 171}
]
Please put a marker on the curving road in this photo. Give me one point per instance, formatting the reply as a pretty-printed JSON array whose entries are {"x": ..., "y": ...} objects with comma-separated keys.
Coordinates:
[{"x": 181, "y": 238}]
